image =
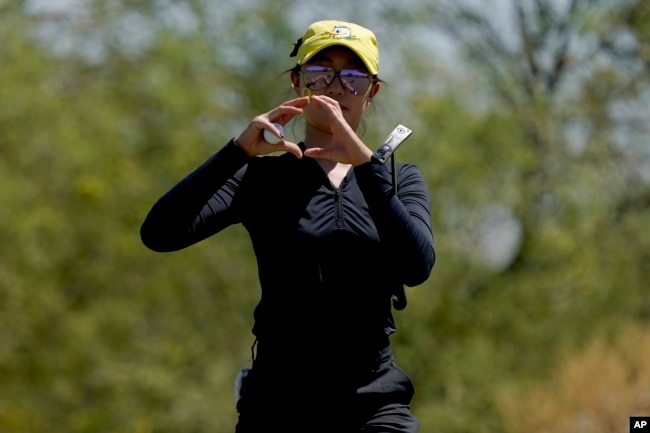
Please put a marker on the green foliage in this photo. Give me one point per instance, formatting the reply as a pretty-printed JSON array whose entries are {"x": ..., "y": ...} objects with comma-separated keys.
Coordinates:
[
  {"x": 596, "y": 390},
  {"x": 98, "y": 334}
]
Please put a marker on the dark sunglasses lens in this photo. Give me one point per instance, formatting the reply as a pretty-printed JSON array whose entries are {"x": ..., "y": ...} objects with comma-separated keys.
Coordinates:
[
  {"x": 318, "y": 78},
  {"x": 355, "y": 81}
]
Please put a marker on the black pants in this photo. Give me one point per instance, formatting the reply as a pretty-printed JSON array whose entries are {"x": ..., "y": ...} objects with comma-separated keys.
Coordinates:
[{"x": 332, "y": 400}]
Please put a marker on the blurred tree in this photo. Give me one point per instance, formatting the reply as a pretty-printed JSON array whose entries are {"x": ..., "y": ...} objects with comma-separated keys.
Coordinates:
[
  {"x": 595, "y": 390},
  {"x": 570, "y": 79},
  {"x": 534, "y": 145}
]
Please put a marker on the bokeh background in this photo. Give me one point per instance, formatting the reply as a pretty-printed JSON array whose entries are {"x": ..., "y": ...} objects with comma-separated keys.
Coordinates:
[{"x": 531, "y": 125}]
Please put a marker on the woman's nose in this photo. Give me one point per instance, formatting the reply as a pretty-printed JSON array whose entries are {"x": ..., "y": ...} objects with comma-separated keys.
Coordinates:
[{"x": 336, "y": 87}]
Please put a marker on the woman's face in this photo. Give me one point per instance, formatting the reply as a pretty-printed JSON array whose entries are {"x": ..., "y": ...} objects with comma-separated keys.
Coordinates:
[{"x": 353, "y": 89}]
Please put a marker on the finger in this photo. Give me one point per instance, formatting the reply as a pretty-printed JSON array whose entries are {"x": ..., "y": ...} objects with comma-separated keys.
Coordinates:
[
  {"x": 284, "y": 114},
  {"x": 315, "y": 152},
  {"x": 292, "y": 148},
  {"x": 330, "y": 105},
  {"x": 300, "y": 102}
]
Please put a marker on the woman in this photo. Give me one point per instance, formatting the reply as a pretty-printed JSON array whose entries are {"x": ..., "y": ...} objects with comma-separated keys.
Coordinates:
[{"x": 334, "y": 241}]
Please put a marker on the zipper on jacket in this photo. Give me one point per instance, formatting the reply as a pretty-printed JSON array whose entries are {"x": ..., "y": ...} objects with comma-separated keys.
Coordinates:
[{"x": 338, "y": 206}]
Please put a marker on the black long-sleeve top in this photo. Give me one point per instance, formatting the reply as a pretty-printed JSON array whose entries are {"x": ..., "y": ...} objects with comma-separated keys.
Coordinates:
[{"x": 329, "y": 259}]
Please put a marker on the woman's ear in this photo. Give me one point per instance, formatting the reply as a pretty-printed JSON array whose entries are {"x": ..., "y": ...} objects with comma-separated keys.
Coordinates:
[
  {"x": 373, "y": 91},
  {"x": 295, "y": 82}
]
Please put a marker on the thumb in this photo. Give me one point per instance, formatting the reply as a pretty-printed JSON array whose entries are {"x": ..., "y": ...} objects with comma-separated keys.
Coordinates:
[
  {"x": 292, "y": 148},
  {"x": 318, "y": 152}
]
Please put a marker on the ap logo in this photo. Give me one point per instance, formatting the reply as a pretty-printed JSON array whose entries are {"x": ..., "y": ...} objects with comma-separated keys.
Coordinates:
[{"x": 640, "y": 424}]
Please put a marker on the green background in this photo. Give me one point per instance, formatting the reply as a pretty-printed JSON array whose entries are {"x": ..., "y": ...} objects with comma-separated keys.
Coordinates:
[{"x": 530, "y": 125}]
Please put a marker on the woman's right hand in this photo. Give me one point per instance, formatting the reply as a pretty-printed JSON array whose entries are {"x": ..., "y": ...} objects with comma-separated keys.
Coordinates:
[{"x": 251, "y": 140}]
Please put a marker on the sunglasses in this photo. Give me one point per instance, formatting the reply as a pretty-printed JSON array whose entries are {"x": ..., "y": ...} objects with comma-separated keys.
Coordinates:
[{"x": 320, "y": 77}]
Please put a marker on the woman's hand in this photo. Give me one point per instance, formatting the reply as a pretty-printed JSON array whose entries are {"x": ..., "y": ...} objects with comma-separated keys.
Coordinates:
[
  {"x": 346, "y": 146},
  {"x": 251, "y": 140}
]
